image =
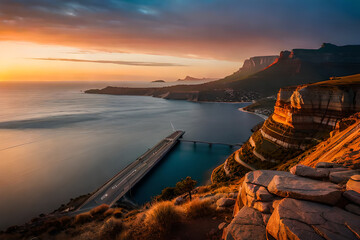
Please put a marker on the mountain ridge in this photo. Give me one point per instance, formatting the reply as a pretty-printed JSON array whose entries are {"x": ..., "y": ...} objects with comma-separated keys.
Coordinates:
[{"x": 290, "y": 68}]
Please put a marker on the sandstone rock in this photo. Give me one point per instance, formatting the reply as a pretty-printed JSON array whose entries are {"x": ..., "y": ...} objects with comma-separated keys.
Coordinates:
[
  {"x": 354, "y": 183},
  {"x": 266, "y": 217},
  {"x": 264, "y": 177},
  {"x": 222, "y": 225},
  {"x": 238, "y": 204},
  {"x": 352, "y": 196},
  {"x": 305, "y": 171},
  {"x": 327, "y": 165},
  {"x": 304, "y": 188},
  {"x": 264, "y": 207},
  {"x": 247, "y": 224},
  {"x": 225, "y": 202},
  {"x": 343, "y": 176},
  {"x": 259, "y": 193},
  {"x": 297, "y": 219},
  {"x": 353, "y": 208}
]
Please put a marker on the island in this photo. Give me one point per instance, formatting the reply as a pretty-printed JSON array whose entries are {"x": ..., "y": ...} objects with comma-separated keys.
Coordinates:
[{"x": 158, "y": 81}]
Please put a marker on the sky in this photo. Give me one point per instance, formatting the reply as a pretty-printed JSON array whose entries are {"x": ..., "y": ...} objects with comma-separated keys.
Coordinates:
[{"x": 142, "y": 40}]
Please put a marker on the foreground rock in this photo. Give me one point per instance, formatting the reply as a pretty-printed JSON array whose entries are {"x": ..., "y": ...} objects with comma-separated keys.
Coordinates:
[
  {"x": 344, "y": 176},
  {"x": 247, "y": 224},
  {"x": 225, "y": 202},
  {"x": 297, "y": 219},
  {"x": 354, "y": 183},
  {"x": 294, "y": 207},
  {"x": 307, "y": 189}
]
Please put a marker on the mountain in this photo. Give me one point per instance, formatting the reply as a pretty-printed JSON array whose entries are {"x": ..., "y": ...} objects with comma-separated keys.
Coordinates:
[
  {"x": 299, "y": 66},
  {"x": 251, "y": 66},
  {"x": 193, "y": 79}
]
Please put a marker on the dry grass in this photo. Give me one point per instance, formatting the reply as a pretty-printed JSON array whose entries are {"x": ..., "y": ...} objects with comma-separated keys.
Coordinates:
[
  {"x": 109, "y": 212},
  {"x": 83, "y": 218},
  {"x": 99, "y": 209},
  {"x": 162, "y": 217},
  {"x": 111, "y": 228},
  {"x": 223, "y": 190},
  {"x": 199, "y": 208},
  {"x": 203, "y": 189}
]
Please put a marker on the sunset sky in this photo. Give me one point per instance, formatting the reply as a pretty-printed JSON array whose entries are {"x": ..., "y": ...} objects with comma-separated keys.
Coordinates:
[{"x": 146, "y": 40}]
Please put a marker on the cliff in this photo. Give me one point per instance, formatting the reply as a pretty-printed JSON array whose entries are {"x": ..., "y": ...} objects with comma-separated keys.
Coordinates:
[
  {"x": 304, "y": 117},
  {"x": 261, "y": 76},
  {"x": 251, "y": 66}
]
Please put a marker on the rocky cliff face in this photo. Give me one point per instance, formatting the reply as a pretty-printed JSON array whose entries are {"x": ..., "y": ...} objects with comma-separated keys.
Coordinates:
[
  {"x": 262, "y": 76},
  {"x": 304, "y": 116},
  {"x": 255, "y": 64}
]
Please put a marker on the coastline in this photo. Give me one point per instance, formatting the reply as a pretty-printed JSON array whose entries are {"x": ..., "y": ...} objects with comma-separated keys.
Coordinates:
[{"x": 258, "y": 114}]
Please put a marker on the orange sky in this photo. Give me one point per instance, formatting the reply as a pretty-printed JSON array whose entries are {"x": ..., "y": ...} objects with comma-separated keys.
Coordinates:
[
  {"x": 144, "y": 40},
  {"x": 22, "y": 61}
]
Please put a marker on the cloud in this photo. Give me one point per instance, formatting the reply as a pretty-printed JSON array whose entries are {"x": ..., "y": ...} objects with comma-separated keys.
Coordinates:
[
  {"x": 129, "y": 63},
  {"x": 221, "y": 29}
]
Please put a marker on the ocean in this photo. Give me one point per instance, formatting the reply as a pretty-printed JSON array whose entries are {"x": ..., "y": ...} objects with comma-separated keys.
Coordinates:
[{"x": 57, "y": 143}]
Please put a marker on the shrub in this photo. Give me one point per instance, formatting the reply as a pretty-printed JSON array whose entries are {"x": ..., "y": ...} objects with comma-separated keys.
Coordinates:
[
  {"x": 118, "y": 213},
  {"x": 162, "y": 217},
  {"x": 199, "y": 208},
  {"x": 99, "y": 209},
  {"x": 167, "y": 194},
  {"x": 186, "y": 185},
  {"x": 109, "y": 212},
  {"x": 83, "y": 218},
  {"x": 111, "y": 228}
]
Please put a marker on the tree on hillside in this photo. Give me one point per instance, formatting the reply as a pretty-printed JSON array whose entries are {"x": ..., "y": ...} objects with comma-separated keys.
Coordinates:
[{"x": 186, "y": 185}]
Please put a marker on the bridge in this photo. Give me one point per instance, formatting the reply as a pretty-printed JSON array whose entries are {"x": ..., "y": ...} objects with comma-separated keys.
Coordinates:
[
  {"x": 122, "y": 182},
  {"x": 231, "y": 145}
]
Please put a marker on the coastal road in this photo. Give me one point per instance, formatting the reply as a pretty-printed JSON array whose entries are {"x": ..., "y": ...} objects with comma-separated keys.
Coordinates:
[{"x": 122, "y": 182}]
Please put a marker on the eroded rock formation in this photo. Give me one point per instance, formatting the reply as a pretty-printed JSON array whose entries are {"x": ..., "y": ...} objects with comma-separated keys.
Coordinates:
[
  {"x": 290, "y": 206},
  {"x": 303, "y": 117}
]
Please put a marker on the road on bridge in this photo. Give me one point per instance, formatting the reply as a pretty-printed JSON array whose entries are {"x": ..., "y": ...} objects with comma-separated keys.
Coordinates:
[{"x": 122, "y": 182}]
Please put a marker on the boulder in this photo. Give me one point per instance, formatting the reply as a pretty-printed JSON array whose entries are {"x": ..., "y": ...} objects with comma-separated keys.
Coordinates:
[
  {"x": 259, "y": 193},
  {"x": 264, "y": 207},
  {"x": 264, "y": 177},
  {"x": 306, "y": 189},
  {"x": 355, "y": 209},
  {"x": 354, "y": 183},
  {"x": 305, "y": 171},
  {"x": 327, "y": 165},
  {"x": 297, "y": 219},
  {"x": 247, "y": 224},
  {"x": 343, "y": 176},
  {"x": 225, "y": 202},
  {"x": 352, "y": 196}
]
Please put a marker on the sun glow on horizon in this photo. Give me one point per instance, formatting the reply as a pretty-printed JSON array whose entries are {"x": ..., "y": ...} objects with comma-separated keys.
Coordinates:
[{"x": 25, "y": 61}]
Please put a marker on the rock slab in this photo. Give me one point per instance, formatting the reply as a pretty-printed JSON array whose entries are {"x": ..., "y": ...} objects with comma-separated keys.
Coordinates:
[
  {"x": 247, "y": 224},
  {"x": 297, "y": 219},
  {"x": 304, "y": 188}
]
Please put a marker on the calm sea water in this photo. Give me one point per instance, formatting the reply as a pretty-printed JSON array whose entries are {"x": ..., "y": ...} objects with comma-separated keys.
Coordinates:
[{"x": 57, "y": 143}]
